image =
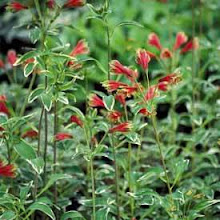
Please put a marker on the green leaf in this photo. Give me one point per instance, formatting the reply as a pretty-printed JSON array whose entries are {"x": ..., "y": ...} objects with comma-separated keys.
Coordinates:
[
  {"x": 25, "y": 150},
  {"x": 54, "y": 178},
  {"x": 102, "y": 213},
  {"x": 127, "y": 23},
  {"x": 62, "y": 98},
  {"x": 47, "y": 101},
  {"x": 35, "y": 94},
  {"x": 8, "y": 215},
  {"x": 109, "y": 102},
  {"x": 26, "y": 56},
  {"x": 37, "y": 164},
  {"x": 72, "y": 215},
  {"x": 43, "y": 208},
  {"x": 35, "y": 35},
  {"x": 29, "y": 68},
  {"x": 24, "y": 190}
]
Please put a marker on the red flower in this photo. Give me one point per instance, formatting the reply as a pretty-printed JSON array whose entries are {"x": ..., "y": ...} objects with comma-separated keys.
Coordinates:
[
  {"x": 30, "y": 134},
  {"x": 50, "y": 4},
  {"x": 171, "y": 79},
  {"x": 191, "y": 45},
  {"x": 142, "y": 58},
  {"x": 7, "y": 170},
  {"x": 16, "y": 6},
  {"x": 75, "y": 119},
  {"x": 2, "y": 65},
  {"x": 163, "y": 86},
  {"x": 151, "y": 93},
  {"x": 3, "y": 98},
  {"x": 165, "y": 53},
  {"x": 121, "y": 98},
  {"x": 63, "y": 136},
  {"x": 3, "y": 108},
  {"x": 123, "y": 127},
  {"x": 118, "y": 68},
  {"x": 112, "y": 85},
  {"x": 181, "y": 39},
  {"x": 154, "y": 40},
  {"x": 152, "y": 55},
  {"x": 12, "y": 57},
  {"x": 80, "y": 48},
  {"x": 144, "y": 112},
  {"x": 114, "y": 116},
  {"x": 74, "y": 3},
  {"x": 129, "y": 90},
  {"x": 95, "y": 101}
]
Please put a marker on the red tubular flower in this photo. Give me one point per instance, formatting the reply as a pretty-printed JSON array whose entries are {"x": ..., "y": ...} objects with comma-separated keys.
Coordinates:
[
  {"x": 129, "y": 90},
  {"x": 3, "y": 98},
  {"x": 74, "y": 3},
  {"x": 2, "y": 65},
  {"x": 123, "y": 127},
  {"x": 112, "y": 85},
  {"x": 16, "y": 6},
  {"x": 30, "y": 134},
  {"x": 7, "y": 170},
  {"x": 165, "y": 53},
  {"x": 3, "y": 108},
  {"x": 114, "y": 116},
  {"x": 12, "y": 57},
  {"x": 63, "y": 136},
  {"x": 152, "y": 55},
  {"x": 191, "y": 45},
  {"x": 50, "y": 4},
  {"x": 154, "y": 41},
  {"x": 95, "y": 101},
  {"x": 144, "y": 112},
  {"x": 151, "y": 93},
  {"x": 181, "y": 39},
  {"x": 75, "y": 119},
  {"x": 171, "y": 79},
  {"x": 121, "y": 98},
  {"x": 163, "y": 86},
  {"x": 118, "y": 68},
  {"x": 142, "y": 58},
  {"x": 80, "y": 48}
]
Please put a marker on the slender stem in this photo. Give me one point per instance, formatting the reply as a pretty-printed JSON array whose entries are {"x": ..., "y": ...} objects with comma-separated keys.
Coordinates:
[
  {"x": 129, "y": 167},
  {"x": 14, "y": 74},
  {"x": 55, "y": 150},
  {"x": 193, "y": 84},
  {"x": 38, "y": 153},
  {"x": 116, "y": 178},
  {"x": 93, "y": 189},
  {"x": 29, "y": 91},
  {"x": 109, "y": 49},
  {"x": 46, "y": 138},
  {"x": 8, "y": 151},
  {"x": 161, "y": 154}
]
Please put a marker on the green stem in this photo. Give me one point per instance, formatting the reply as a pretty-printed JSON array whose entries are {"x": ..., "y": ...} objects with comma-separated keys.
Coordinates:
[
  {"x": 8, "y": 151},
  {"x": 93, "y": 189},
  {"x": 109, "y": 49},
  {"x": 29, "y": 91},
  {"x": 14, "y": 74},
  {"x": 161, "y": 154},
  {"x": 129, "y": 167},
  {"x": 116, "y": 178},
  {"x": 55, "y": 151},
  {"x": 92, "y": 176},
  {"x": 46, "y": 138}
]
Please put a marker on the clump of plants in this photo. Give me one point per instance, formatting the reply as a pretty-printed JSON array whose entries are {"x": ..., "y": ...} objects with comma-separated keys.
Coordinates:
[{"x": 114, "y": 155}]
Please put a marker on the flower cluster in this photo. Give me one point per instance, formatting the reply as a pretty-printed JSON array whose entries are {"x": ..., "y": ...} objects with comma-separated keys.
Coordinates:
[
  {"x": 7, "y": 170},
  {"x": 180, "y": 44},
  {"x": 3, "y": 107}
]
